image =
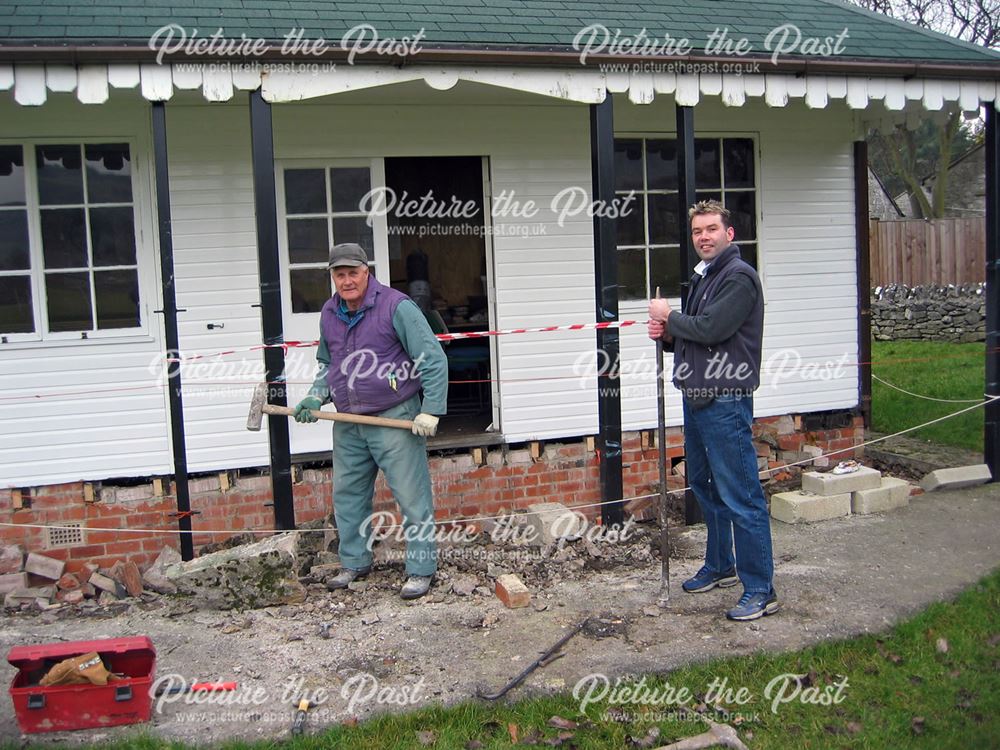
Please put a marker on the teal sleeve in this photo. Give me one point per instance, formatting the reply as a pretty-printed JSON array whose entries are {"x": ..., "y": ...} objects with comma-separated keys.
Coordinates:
[
  {"x": 319, "y": 387},
  {"x": 423, "y": 347}
]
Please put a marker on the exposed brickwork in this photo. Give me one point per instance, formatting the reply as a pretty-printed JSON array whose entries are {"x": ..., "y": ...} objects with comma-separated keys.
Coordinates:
[{"x": 511, "y": 480}]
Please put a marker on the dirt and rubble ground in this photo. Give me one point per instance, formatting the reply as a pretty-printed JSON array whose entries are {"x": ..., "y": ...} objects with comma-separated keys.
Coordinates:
[{"x": 835, "y": 579}]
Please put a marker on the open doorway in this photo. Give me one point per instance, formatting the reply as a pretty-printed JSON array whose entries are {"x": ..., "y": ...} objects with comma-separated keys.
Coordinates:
[{"x": 438, "y": 255}]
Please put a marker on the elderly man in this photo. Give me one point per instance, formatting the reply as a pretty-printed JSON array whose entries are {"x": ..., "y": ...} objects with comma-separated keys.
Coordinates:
[
  {"x": 717, "y": 352},
  {"x": 378, "y": 356}
]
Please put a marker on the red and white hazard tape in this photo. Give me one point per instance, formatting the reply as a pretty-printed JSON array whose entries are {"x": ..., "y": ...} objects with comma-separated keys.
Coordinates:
[{"x": 286, "y": 345}]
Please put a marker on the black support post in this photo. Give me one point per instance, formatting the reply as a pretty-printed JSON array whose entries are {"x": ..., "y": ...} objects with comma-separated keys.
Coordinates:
[
  {"x": 864, "y": 276},
  {"x": 602, "y": 160},
  {"x": 688, "y": 259},
  {"x": 171, "y": 336},
  {"x": 686, "y": 195},
  {"x": 991, "y": 443},
  {"x": 269, "y": 270}
]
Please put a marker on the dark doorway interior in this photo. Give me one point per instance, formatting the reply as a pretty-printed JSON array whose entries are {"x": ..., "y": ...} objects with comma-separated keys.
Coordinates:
[{"x": 437, "y": 255}]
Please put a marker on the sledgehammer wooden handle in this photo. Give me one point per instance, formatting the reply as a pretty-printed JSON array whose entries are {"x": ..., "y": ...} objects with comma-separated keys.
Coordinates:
[{"x": 336, "y": 416}]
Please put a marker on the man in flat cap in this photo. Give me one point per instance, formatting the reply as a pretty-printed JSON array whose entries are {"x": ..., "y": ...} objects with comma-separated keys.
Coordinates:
[{"x": 378, "y": 356}]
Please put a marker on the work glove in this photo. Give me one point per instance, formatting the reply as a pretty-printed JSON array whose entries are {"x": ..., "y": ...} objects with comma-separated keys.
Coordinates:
[
  {"x": 425, "y": 425},
  {"x": 303, "y": 411}
]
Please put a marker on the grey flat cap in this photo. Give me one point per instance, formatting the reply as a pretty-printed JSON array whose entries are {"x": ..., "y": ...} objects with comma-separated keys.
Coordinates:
[{"x": 348, "y": 254}]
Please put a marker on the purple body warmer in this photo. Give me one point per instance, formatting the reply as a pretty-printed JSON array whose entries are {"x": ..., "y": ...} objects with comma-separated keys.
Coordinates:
[{"x": 370, "y": 370}]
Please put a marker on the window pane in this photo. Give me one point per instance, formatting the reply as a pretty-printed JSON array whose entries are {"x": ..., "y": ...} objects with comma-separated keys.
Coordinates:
[
  {"x": 308, "y": 241},
  {"x": 665, "y": 270},
  {"x": 112, "y": 236},
  {"x": 15, "y": 305},
  {"x": 305, "y": 191},
  {"x": 60, "y": 177},
  {"x": 348, "y": 185},
  {"x": 749, "y": 253},
  {"x": 14, "y": 241},
  {"x": 11, "y": 176},
  {"x": 709, "y": 195},
  {"x": 663, "y": 228},
  {"x": 67, "y": 296},
  {"x": 632, "y": 274},
  {"x": 661, "y": 164},
  {"x": 117, "y": 299},
  {"x": 628, "y": 164},
  {"x": 354, "y": 229},
  {"x": 738, "y": 162},
  {"x": 310, "y": 289},
  {"x": 64, "y": 243},
  {"x": 707, "y": 169},
  {"x": 632, "y": 226},
  {"x": 109, "y": 173},
  {"x": 743, "y": 207}
]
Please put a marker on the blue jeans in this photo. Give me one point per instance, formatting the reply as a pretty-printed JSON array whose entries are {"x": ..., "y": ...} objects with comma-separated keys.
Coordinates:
[
  {"x": 721, "y": 469},
  {"x": 359, "y": 451}
]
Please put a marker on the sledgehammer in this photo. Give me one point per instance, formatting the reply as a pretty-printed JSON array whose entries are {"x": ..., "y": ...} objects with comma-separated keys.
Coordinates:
[{"x": 259, "y": 407}]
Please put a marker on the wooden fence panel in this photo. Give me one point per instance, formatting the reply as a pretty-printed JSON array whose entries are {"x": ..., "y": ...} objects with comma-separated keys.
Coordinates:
[{"x": 939, "y": 251}]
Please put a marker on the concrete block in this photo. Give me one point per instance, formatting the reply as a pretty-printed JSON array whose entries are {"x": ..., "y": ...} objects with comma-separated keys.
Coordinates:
[
  {"x": 512, "y": 592},
  {"x": 106, "y": 583},
  {"x": 953, "y": 479},
  {"x": 261, "y": 574},
  {"x": 11, "y": 581},
  {"x": 838, "y": 484},
  {"x": 550, "y": 522},
  {"x": 11, "y": 558},
  {"x": 46, "y": 567},
  {"x": 154, "y": 577},
  {"x": 813, "y": 451},
  {"x": 892, "y": 494},
  {"x": 799, "y": 507}
]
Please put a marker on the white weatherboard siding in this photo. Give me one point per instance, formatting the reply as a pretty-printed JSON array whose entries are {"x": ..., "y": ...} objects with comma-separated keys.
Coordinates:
[
  {"x": 542, "y": 272},
  {"x": 215, "y": 258},
  {"x": 536, "y": 148},
  {"x": 93, "y": 409},
  {"x": 807, "y": 259}
]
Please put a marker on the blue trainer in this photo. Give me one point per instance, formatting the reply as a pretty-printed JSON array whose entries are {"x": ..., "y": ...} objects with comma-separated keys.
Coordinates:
[
  {"x": 706, "y": 580},
  {"x": 752, "y": 606}
]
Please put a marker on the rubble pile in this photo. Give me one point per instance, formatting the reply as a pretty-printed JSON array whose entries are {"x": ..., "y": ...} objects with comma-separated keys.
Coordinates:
[
  {"x": 539, "y": 547},
  {"x": 40, "y": 583}
]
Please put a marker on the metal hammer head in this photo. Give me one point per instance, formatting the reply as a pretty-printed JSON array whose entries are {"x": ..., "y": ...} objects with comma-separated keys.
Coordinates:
[{"x": 256, "y": 415}]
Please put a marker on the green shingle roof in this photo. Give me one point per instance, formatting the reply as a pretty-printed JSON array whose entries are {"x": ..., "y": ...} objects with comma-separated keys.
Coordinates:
[{"x": 549, "y": 24}]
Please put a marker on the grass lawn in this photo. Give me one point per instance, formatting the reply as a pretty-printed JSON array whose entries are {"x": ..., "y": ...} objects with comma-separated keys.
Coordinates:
[
  {"x": 939, "y": 370},
  {"x": 932, "y": 682}
]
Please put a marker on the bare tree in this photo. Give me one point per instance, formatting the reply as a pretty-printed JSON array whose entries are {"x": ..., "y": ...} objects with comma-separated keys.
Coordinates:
[{"x": 975, "y": 21}]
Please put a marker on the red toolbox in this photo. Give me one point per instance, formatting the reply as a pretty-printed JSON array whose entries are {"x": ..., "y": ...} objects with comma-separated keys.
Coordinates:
[{"x": 61, "y": 707}]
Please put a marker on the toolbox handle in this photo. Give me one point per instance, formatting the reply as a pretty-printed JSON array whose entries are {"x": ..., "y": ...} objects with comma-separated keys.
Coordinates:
[
  {"x": 36, "y": 701},
  {"x": 123, "y": 693}
]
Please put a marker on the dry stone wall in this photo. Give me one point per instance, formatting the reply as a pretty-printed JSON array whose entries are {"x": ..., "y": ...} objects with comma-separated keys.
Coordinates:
[{"x": 929, "y": 313}]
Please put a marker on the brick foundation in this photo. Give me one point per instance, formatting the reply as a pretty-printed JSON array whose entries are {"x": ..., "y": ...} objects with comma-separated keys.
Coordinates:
[{"x": 511, "y": 479}]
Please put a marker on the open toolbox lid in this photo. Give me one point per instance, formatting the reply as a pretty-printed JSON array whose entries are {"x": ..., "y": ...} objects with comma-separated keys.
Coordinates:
[{"x": 25, "y": 656}]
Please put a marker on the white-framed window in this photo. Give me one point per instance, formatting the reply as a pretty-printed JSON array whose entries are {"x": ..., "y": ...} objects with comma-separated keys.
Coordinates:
[
  {"x": 69, "y": 266},
  {"x": 649, "y": 236},
  {"x": 320, "y": 205}
]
